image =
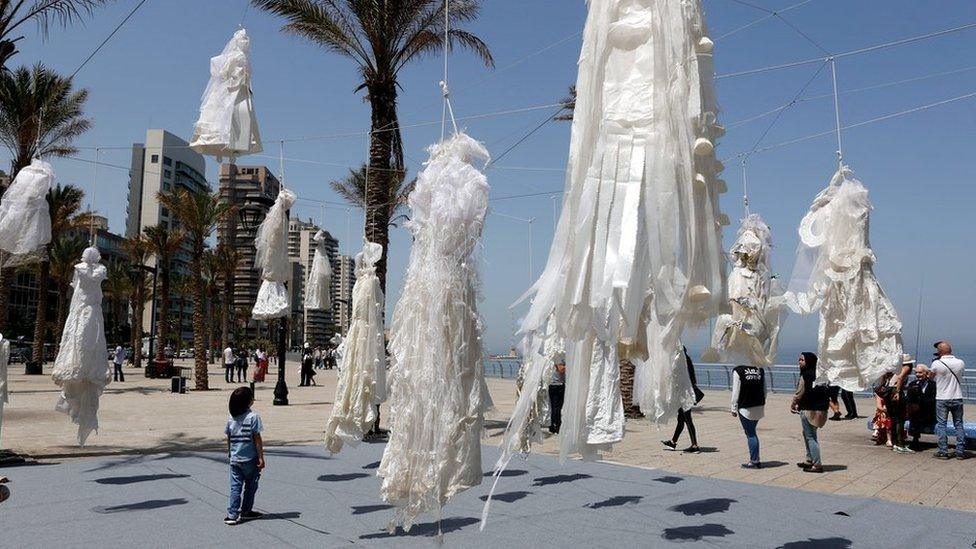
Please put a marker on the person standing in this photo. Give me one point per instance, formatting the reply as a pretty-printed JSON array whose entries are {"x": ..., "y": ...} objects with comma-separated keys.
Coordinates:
[
  {"x": 684, "y": 416},
  {"x": 810, "y": 402},
  {"x": 318, "y": 358},
  {"x": 229, "y": 361},
  {"x": 306, "y": 369},
  {"x": 749, "y": 404},
  {"x": 245, "y": 452},
  {"x": 557, "y": 394},
  {"x": 118, "y": 359},
  {"x": 836, "y": 395},
  {"x": 948, "y": 371},
  {"x": 920, "y": 403},
  {"x": 241, "y": 365},
  {"x": 896, "y": 405}
]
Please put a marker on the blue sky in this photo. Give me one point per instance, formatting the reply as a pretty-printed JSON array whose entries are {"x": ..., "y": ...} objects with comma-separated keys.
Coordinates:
[{"x": 919, "y": 168}]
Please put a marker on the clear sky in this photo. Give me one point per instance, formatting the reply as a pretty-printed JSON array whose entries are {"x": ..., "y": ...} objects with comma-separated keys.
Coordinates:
[{"x": 919, "y": 168}]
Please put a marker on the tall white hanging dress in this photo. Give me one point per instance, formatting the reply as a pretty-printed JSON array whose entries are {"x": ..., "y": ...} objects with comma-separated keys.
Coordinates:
[
  {"x": 438, "y": 394},
  {"x": 81, "y": 367},
  {"x": 318, "y": 286},
  {"x": 271, "y": 256},
  {"x": 362, "y": 375},
  {"x": 4, "y": 361},
  {"x": 25, "y": 222}
]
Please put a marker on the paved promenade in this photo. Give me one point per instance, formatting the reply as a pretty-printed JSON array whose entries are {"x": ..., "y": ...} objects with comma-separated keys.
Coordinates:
[{"x": 141, "y": 416}]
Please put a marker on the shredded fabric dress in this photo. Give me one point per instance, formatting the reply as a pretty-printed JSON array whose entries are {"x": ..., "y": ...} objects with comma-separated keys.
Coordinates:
[
  {"x": 4, "y": 360},
  {"x": 860, "y": 333},
  {"x": 749, "y": 334},
  {"x": 271, "y": 256},
  {"x": 637, "y": 252},
  {"x": 25, "y": 222},
  {"x": 438, "y": 394},
  {"x": 227, "y": 125},
  {"x": 362, "y": 376},
  {"x": 81, "y": 367},
  {"x": 318, "y": 287}
]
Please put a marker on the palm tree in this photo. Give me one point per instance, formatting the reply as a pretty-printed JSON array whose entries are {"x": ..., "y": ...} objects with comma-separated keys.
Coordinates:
[
  {"x": 63, "y": 202},
  {"x": 569, "y": 104},
  {"x": 381, "y": 37},
  {"x": 180, "y": 288},
  {"x": 199, "y": 214},
  {"x": 227, "y": 259},
  {"x": 137, "y": 250},
  {"x": 119, "y": 290},
  {"x": 14, "y": 13},
  {"x": 163, "y": 243},
  {"x": 40, "y": 115},
  {"x": 211, "y": 275},
  {"x": 353, "y": 190},
  {"x": 65, "y": 254}
]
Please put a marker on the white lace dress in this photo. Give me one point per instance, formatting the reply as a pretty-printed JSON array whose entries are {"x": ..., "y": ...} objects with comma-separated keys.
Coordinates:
[
  {"x": 25, "y": 222},
  {"x": 860, "y": 333},
  {"x": 81, "y": 367},
  {"x": 318, "y": 286},
  {"x": 271, "y": 256},
  {"x": 227, "y": 125},
  {"x": 4, "y": 360},
  {"x": 438, "y": 394},
  {"x": 362, "y": 375}
]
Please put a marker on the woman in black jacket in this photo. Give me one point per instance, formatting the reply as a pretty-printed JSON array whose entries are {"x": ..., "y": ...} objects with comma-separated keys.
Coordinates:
[
  {"x": 684, "y": 416},
  {"x": 811, "y": 402}
]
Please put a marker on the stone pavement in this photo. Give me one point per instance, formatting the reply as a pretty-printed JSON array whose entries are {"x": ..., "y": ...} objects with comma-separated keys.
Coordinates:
[
  {"x": 141, "y": 416},
  {"x": 314, "y": 500}
]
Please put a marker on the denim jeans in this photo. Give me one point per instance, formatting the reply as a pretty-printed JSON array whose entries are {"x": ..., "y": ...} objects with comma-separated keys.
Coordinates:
[
  {"x": 810, "y": 439},
  {"x": 749, "y": 426},
  {"x": 243, "y": 477},
  {"x": 942, "y": 410}
]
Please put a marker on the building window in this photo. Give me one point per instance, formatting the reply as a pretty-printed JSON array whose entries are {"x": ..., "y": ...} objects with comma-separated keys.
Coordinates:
[
  {"x": 167, "y": 161},
  {"x": 167, "y": 174},
  {"x": 163, "y": 212},
  {"x": 154, "y": 159}
]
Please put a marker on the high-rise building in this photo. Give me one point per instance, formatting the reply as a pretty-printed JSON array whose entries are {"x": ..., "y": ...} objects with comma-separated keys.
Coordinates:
[
  {"x": 342, "y": 306},
  {"x": 252, "y": 190},
  {"x": 164, "y": 163},
  {"x": 319, "y": 326}
]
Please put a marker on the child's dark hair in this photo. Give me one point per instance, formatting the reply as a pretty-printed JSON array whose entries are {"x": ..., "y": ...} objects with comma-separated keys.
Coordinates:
[{"x": 240, "y": 401}]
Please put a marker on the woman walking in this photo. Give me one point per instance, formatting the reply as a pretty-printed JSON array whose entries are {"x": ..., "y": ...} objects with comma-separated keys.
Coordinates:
[
  {"x": 684, "y": 416},
  {"x": 810, "y": 402},
  {"x": 749, "y": 404}
]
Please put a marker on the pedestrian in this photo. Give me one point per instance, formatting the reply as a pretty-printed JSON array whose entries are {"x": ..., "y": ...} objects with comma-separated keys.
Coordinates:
[
  {"x": 836, "y": 395},
  {"x": 118, "y": 360},
  {"x": 810, "y": 402},
  {"x": 318, "y": 358},
  {"x": 948, "y": 371},
  {"x": 920, "y": 403},
  {"x": 882, "y": 421},
  {"x": 241, "y": 365},
  {"x": 557, "y": 393},
  {"x": 895, "y": 405},
  {"x": 306, "y": 368},
  {"x": 260, "y": 364},
  {"x": 229, "y": 361},
  {"x": 245, "y": 451},
  {"x": 749, "y": 404},
  {"x": 684, "y": 416}
]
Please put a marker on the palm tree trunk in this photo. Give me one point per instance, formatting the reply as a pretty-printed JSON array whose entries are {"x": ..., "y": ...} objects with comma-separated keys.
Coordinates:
[
  {"x": 40, "y": 321},
  {"x": 138, "y": 308},
  {"x": 381, "y": 152},
  {"x": 162, "y": 327},
  {"x": 62, "y": 317},
  {"x": 225, "y": 304},
  {"x": 199, "y": 323}
]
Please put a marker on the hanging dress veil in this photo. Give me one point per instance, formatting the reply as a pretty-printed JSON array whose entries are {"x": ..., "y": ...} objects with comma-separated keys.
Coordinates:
[
  {"x": 318, "y": 287},
  {"x": 25, "y": 222},
  {"x": 271, "y": 256},
  {"x": 362, "y": 375},
  {"x": 438, "y": 394},
  {"x": 860, "y": 333},
  {"x": 4, "y": 361},
  {"x": 81, "y": 367},
  {"x": 227, "y": 125}
]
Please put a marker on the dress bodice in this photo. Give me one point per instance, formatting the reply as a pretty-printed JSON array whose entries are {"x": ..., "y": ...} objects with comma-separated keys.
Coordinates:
[{"x": 87, "y": 283}]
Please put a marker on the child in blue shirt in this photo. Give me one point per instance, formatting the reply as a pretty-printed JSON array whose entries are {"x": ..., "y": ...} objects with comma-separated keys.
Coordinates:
[{"x": 246, "y": 452}]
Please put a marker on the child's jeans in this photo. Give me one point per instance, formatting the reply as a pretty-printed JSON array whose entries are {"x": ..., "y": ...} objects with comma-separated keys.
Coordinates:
[{"x": 243, "y": 475}]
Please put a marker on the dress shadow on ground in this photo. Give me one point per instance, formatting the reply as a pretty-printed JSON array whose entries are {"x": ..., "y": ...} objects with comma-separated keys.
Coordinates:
[
  {"x": 704, "y": 507},
  {"x": 507, "y": 497},
  {"x": 509, "y": 473},
  {"x": 696, "y": 533},
  {"x": 615, "y": 501},
  {"x": 668, "y": 479},
  {"x": 373, "y": 465},
  {"x": 342, "y": 477},
  {"x": 819, "y": 543},
  {"x": 559, "y": 479},
  {"x": 140, "y": 506},
  {"x": 364, "y": 509},
  {"x": 138, "y": 478},
  {"x": 427, "y": 529}
]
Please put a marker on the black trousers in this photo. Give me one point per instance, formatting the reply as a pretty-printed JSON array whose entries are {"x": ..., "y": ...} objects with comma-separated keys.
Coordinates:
[
  {"x": 684, "y": 418},
  {"x": 557, "y": 393},
  {"x": 849, "y": 404},
  {"x": 118, "y": 375},
  {"x": 229, "y": 373},
  {"x": 241, "y": 373}
]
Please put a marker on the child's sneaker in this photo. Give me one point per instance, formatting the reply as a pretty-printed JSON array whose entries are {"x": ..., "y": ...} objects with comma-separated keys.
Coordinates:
[{"x": 230, "y": 521}]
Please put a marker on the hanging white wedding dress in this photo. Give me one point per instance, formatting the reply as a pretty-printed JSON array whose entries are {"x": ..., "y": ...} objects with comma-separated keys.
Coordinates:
[
  {"x": 749, "y": 334},
  {"x": 271, "y": 256},
  {"x": 637, "y": 252},
  {"x": 438, "y": 394},
  {"x": 4, "y": 360},
  {"x": 318, "y": 287},
  {"x": 81, "y": 366},
  {"x": 25, "y": 222},
  {"x": 362, "y": 374},
  {"x": 860, "y": 333},
  {"x": 227, "y": 125}
]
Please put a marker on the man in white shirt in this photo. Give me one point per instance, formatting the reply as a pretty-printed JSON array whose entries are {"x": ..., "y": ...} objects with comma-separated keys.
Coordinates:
[
  {"x": 948, "y": 371},
  {"x": 229, "y": 361},
  {"x": 118, "y": 359}
]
